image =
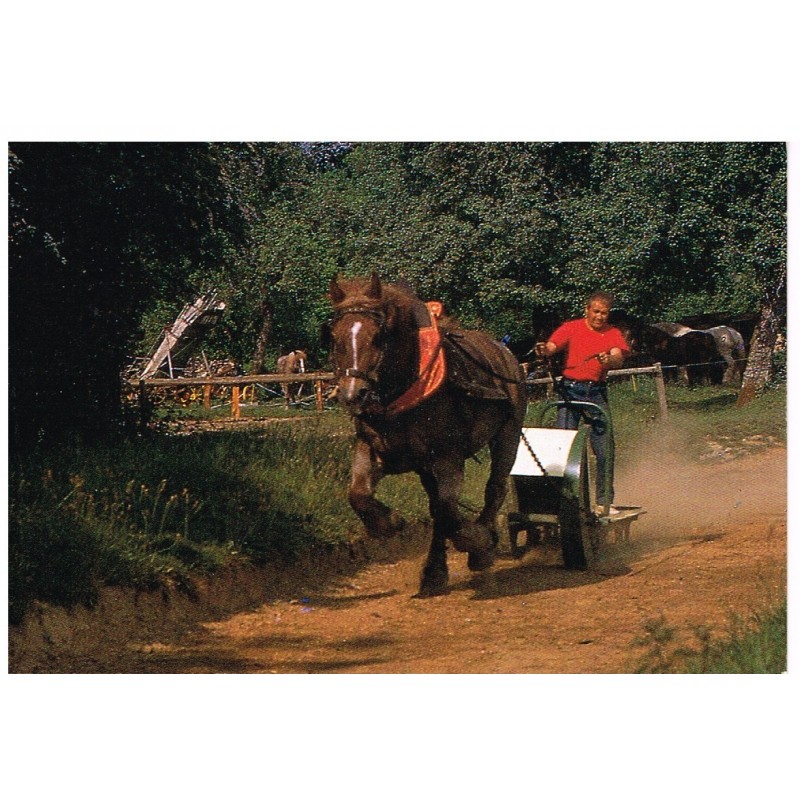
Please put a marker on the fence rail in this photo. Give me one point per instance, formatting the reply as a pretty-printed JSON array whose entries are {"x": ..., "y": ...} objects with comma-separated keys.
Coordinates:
[
  {"x": 236, "y": 382},
  {"x": 656, "y": 370}
]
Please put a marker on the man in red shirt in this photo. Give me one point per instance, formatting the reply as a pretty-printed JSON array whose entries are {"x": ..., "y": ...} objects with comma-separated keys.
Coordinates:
[{"x": 592, "y": 348}]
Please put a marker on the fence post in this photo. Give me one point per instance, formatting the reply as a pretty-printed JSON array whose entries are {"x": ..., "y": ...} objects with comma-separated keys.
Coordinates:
[
  {"x": 235, "y": 410},
  {"x": 207, "y": 397},
  {"x": 318, "y": 394},
  {"x": 661, "y": 392}
]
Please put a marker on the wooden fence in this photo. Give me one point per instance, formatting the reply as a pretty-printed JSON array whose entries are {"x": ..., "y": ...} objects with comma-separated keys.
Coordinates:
[
  {"x": 238, "y": 382},
  {"x": 655, "y": 370}
]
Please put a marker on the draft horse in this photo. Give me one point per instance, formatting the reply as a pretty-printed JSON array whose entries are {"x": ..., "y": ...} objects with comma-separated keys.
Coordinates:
[
  {"x": 424, "y": 395},
  {"x": 291, "y": 364}
]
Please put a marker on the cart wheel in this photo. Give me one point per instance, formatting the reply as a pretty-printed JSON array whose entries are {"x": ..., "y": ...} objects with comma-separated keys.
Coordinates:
[
  {"x": 576, "y": 523},
  {"x": 572, "y": 539}
]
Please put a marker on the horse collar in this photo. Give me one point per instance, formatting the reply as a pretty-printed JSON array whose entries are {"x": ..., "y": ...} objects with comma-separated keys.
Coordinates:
[{"x": 432, "y": 368}]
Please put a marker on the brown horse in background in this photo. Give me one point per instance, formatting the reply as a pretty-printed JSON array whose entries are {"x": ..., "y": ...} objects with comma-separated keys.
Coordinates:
[
  {"x": 294, "y": 362},
  {"x": 377, "y": 338}
]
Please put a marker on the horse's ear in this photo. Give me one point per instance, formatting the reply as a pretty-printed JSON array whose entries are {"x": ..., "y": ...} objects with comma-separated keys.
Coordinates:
[
  {"x": 374, "y": 288},
  {"x": 335, "y": 291}
]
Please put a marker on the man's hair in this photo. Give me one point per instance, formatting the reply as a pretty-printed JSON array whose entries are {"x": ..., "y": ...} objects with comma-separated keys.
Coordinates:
[{"x": 603, "y": 297}]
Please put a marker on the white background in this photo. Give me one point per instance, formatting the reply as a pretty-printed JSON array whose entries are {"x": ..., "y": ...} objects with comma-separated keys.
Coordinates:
[{"x": 414, "y": 71}]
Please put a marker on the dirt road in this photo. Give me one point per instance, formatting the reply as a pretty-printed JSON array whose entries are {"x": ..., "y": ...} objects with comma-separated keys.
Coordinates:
[{"x": 712, "y": 544}]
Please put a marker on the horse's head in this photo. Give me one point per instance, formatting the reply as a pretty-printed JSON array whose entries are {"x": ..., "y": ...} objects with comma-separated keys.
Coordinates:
[{"x": 362, "y": 317}]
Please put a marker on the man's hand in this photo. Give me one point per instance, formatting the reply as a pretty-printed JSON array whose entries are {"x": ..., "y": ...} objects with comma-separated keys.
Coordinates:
[
  {"x": 544, "y": 349},
  {"x": 612, "y": 359}
]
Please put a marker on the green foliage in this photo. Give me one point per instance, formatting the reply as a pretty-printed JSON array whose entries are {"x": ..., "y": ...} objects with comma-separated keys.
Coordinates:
[
  {"x": 756, "y": 645},
  {"x": 503, "y": 231}
]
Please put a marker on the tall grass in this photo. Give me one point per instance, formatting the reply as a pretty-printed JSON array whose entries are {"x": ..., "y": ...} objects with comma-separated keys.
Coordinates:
[{"x": 154, "y": 511}]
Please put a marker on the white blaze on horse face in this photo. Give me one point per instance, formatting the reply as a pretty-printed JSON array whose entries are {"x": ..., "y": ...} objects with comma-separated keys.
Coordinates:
[
  {"x": 354, "y": 341},
  {"x": 350, "y": 391}
]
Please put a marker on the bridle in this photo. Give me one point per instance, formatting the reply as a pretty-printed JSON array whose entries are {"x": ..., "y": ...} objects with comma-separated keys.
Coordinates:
[{"x": 376, "y": 315}]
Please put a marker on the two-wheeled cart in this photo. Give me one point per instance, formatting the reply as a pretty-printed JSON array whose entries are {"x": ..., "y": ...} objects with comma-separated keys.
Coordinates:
[{"x": 549, "y": 491}]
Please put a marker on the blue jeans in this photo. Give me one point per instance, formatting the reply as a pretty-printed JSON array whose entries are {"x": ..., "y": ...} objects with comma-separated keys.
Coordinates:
[{"x": 601, "y": 438}]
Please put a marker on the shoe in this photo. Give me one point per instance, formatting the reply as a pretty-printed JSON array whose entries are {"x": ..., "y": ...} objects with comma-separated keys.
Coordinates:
[{"x": 600, "y": 510}]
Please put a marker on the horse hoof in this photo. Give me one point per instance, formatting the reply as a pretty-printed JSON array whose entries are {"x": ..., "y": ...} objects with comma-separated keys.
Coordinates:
[
  {"x": 386, "y": 528},
  {"x": 433, "y": 583},
  {"x": 479, "y": 560},
  {"x": 472, "y": 537},
  {"x": 431, "y": 591}
]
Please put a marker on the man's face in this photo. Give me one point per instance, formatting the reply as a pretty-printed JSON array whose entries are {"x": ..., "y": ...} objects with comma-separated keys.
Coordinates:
[{"x": 597, "y": 314}]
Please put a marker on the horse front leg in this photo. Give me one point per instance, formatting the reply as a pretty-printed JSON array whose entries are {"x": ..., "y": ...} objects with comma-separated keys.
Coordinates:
[
  {"x": 378, "y": 519},
  {"x": 434, "y": 573}
]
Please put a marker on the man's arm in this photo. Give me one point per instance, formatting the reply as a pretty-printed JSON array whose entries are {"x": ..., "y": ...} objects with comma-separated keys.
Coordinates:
[
  {"x": 545, "y": 349},
  {"x": 613, "y": 359}
]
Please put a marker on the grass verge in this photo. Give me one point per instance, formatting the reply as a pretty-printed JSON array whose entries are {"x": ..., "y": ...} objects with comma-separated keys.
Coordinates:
[
  {"x": 756, "y": 645},
  {"x": 160, "y": 510}
]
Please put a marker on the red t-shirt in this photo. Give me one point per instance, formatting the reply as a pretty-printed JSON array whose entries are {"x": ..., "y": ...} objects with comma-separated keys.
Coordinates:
[{"x": 583, "y": 342}]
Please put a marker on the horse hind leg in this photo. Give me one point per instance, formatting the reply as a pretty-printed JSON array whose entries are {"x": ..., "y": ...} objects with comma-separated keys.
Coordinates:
[
  {"x": 444, "y": 485},
  {"x": 503, "y": 450}
]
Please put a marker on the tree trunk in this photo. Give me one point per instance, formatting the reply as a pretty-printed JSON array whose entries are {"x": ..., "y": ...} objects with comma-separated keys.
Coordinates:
[
  {"x": 265, "y": 334},
  {"x": 758, "y": 371}
]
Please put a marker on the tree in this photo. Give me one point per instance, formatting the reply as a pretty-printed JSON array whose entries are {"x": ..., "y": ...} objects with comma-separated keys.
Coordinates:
[
  {"x": 96, "y": 231},
  {"x": 506, "y": 233},
  {"x": 761, "y": 230}
]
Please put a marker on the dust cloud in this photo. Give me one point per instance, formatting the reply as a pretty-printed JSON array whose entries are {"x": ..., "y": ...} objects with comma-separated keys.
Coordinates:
[{"x": 687, "y": 497}]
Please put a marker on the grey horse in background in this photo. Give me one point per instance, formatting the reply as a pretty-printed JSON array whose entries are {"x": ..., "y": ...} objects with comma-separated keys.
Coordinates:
[{"x": 730, "y": 344}]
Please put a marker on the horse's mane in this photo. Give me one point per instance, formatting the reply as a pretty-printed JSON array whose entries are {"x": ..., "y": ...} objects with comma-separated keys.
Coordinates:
[{"x": 400, "y": 295}]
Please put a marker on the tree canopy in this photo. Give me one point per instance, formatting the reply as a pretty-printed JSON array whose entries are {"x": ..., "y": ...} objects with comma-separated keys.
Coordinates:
[{"x": 108, "y": 241}]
